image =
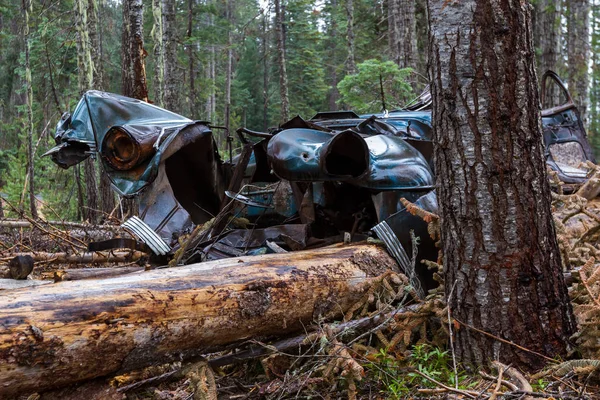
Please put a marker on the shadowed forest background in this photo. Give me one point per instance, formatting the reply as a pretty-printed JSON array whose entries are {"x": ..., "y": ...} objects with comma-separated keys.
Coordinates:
[{"x": 233, "y": 63}]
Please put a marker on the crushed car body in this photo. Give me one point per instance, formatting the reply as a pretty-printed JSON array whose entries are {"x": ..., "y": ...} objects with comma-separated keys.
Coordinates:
[{"x": 338, "y": 177}]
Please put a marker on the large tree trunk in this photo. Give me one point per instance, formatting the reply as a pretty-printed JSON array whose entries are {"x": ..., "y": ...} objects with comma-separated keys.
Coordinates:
[
  {"x": 547, "y": 35},
  {"x": 402, "y": 32},
  {"x": 171, "y": 76},
  {"x": 283, "y": 81},
  {"x": 68, "y": 332},
  {"x": 578, "y": 49},
  {"x": 501, "y": 256}
]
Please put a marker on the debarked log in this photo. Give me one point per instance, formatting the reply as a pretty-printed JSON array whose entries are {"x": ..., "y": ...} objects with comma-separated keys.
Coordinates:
[{"x": 69, "y": 332}]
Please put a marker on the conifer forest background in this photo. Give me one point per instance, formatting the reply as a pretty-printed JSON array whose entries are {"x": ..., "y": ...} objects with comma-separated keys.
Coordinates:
[{"x": 234, "y": 63}]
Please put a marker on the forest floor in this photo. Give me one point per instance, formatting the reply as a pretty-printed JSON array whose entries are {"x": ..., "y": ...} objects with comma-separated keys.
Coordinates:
[{"x": 405, "y": 356}]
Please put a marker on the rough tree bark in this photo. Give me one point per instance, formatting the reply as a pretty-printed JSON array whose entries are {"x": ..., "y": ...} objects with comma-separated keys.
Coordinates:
[
  {"x": 157, "y": 37},
  {"x": 500, "y": 251},
  {"x": 350, "y": 60},
  {"x": 134, "y": 67},
  {"x": 283, "y": 81},
  {"x": 190, "y": 52},
  {"x": 402, "y": 32},
  {"x": 229, "y": 73},
  {"x": 578, "y": 50},
  {"x": 170, "y": 95},
  {"x": 265, "y": 65},
  {"x": 547, "y": 40},
  {"x": 68, "y": 332},
  {"x": 106, "y": 200},
  {"x": 30, "y": 175},
  {"x": 333, "y": 94}
]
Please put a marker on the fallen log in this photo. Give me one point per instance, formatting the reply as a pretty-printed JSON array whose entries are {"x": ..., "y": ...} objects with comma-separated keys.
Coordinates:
[
  {"x": 23, "y": 223},
  {"x": 98, "y": 257},
  {"x": 93, "y": 273},
  {"x": 11, "y": 284},
  {"x": 68, "y": 332}
]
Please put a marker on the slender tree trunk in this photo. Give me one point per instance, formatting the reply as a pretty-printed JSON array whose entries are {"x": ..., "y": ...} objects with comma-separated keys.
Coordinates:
[
  {"x": 107, "y": 196},
  {"x": 85, "y": 65},
  {"x": 159, "y": 64},
  {"x": 594, "y": 110},
  {"x": 350, "y": 60},
  {"x": 265, "y": 62},
  {"x": 332, "y": 36},
  {"x": 547, "y": 36},
  {"x": 134, "y": 68},
  {"x": 30, "y": 175},
  {"x": 578, "y": 49},
  {"x": 171, "y": 95},
  {"x": 283, "y": 81},
  {"x": 229, "y": 73},
  {"x": 190, "y": 51},
  {"x": 422, "y": 32},
  {"x": 501, "y": 257},
  {"x": 402, "y": 32},
  {"x": 95, "y": 47}
]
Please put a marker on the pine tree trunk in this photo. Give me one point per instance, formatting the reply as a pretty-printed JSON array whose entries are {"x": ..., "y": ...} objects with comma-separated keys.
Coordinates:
[
  {"x": 594, "y": 94},
  {"x": 402, "y": 34},
  {"x": 501, "y": 256},
  {"x": 283, "y": 81},
  {"x": 422, "y": 32},
  {"x": 30, "y": 175},
  {"x": 134, "y": 68},
  {"x": 105, "y": 200},
  {"x": 547, "y": 38},
  {"x": 190, "y": 51},
  {"x": 265, "y": 62},
  {"x": 171, "y": 96},
  {"x": 95, "y": 47},
  {"x": 350, "y": 60},
  {"x": 578, "y": 50},
  {"x": 159, "y": 65},
  {"x": 332, "y": 36},
  {"x": 86, "y": 39},
  {"x": 229, "y": 72}
]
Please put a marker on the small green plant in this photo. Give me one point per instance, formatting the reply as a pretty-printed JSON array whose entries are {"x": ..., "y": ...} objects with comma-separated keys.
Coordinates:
[
  {"x": 436, "y": 364},
  {"x": 539, "y": 385},
  {"x": 396, "y": 380},
  {"x": 386, "y": 370}
]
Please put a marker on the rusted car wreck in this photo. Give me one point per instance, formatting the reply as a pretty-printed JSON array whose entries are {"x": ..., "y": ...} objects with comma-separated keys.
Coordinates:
[{"x": 337, "y": 177}]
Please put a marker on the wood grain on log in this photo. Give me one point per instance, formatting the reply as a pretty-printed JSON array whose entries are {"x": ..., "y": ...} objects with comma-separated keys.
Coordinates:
[
  {"x": 55, "y": 335},
  {"x": 93, "y": 273}
]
